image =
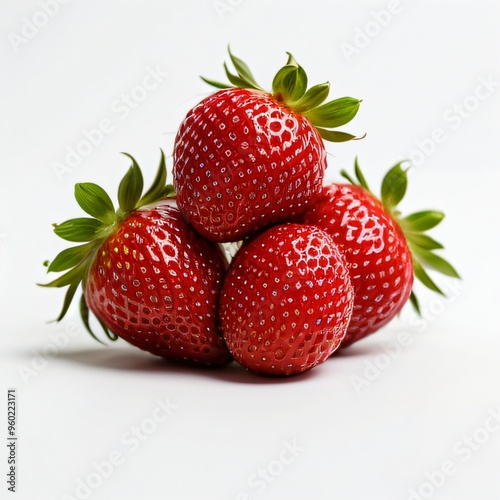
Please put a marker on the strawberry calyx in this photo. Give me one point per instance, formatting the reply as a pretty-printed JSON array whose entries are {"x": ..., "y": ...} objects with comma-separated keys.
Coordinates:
[
  {"x": 290, "y": 88},
  {"x": 92, "y": 231},
  {"x": 413, "y": 226}
]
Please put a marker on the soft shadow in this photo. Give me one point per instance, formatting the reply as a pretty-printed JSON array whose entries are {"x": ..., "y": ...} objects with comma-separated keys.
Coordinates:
[
  {"x": 123, "y": 359},
  {"x": 356, "y": 350}
]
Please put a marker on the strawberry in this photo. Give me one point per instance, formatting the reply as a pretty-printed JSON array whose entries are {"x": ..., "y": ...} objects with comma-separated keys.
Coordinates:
[
  {"x": 383, "y": 250},
  {"x": 245, "y": 158},
  {"x": 286, "y": 300},
  {"x": 146, "y": 275}
]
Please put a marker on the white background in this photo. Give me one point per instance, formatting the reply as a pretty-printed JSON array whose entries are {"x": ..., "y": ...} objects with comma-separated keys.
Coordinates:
[{"x": 365, "y": 425}]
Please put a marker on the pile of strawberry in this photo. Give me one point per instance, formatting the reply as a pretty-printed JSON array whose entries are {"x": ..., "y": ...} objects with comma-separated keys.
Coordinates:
[{"x": 318, "y": 266}]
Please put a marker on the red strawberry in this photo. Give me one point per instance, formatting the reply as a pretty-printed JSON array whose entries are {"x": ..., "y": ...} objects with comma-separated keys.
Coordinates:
[
  {"x": 147, "y": 276},
  {"x": 286, "y": 300},
  {"x": 245, "y": 158},
  {"x": 383, "y": 250}
]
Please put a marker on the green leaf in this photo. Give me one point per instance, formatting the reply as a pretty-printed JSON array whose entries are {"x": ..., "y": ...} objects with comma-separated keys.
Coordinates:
[
  {"x": 346, "y": 176},
  {"x": 360, "y": 176},
  {"x": 290, "y": 83},
  {"x": 217, "y": 85},
  {"x": 284, "y": 82},
  {"x": 243, "y": 79},
  {"x": 422, "y": 221},
  {"x": 69, "y": 258},
  {"x": 84, "y": 313},
  {"x": 95, "y": 201},
  {"x": 168, "y": 192},
  {"x": 334, "y": 136},
  {"x": 68, "y": 298},
  {"x": 422, "y": 276},
  {"x": 430, "y": 259},
  {"x": 155, "y": 192},
  {"x": 312, "y": 98},
  {"x": 111, "y": 335},
  {"x": 415, "y": 303},
  {"x": 423, "y": 241},
  {"x": 235, "y": 79},
  {"x": 243, "y": 70},
  {"x": 394, "y": 187},
  {"x": 131, "y": 186},
  {"x": 74, "y": 275},
  {"x": 300, "y": 83},
  {"x": 79, "y": 229},
  {"x": 334, "y": 113}
]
